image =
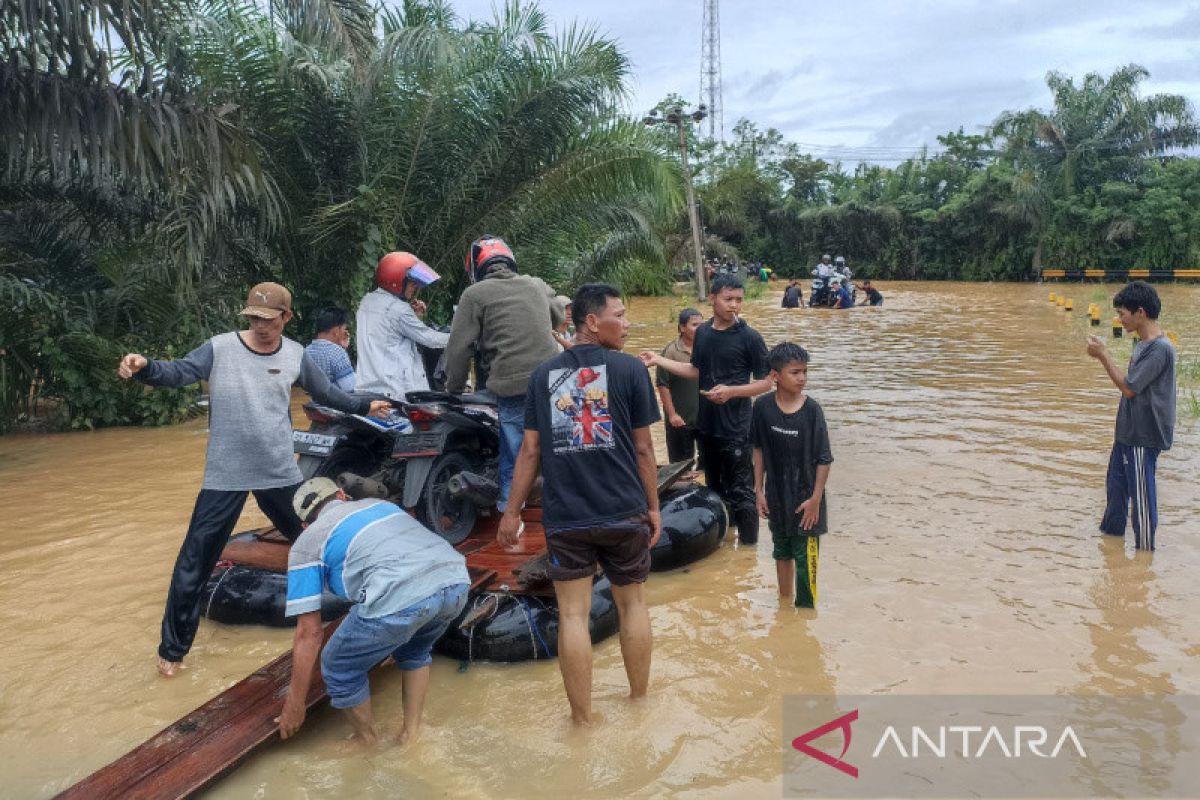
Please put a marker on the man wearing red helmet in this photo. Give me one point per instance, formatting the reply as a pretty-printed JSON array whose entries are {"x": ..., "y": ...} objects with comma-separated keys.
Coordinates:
[
  {"x": 390, "y": 328},
  {"x": 503, "y": 321}
]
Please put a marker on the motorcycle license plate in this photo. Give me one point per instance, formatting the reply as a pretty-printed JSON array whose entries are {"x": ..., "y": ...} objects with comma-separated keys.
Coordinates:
[
  {"x": 418, "y": 444},
  {"x": 312, "y": 444}
]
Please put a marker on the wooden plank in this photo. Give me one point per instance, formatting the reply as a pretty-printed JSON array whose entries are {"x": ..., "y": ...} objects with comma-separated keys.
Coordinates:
[{"x": 196, "y": 751}]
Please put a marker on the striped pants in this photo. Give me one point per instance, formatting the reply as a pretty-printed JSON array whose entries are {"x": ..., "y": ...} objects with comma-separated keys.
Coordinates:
[{"x": 1131, "y": 480}]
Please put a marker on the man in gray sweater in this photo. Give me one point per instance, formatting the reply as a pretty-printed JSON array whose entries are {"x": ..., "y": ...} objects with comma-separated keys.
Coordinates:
[
  {"x": 503, "y": 320},
  {"x": 250, "y": 376}
]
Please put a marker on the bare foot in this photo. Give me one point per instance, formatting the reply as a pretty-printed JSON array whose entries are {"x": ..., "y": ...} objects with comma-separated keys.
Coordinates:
[
  {"x": 168, "y": 668},
  {"x": 408, "y": 736},
  {"x": 356, "y": 744}
]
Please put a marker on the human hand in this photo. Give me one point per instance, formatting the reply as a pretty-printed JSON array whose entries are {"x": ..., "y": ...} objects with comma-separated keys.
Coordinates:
[
  {"x": 676, "y": 421},
  {"x": 760, "y": 498},
  {"x": 509, "y": 532},
  {"x": 380, "y": 409},
  {"x": 290, "y": 718},
  {"x": 1095, "y": 346},
  {"x": 649, "y": 357},
  {"x": 344, "y": 339},
  {"x": 810, "y": 512},
  {"x": 719, "y": 394},
  {"x": 418, "y": 306},
  {"x": 130, "y": 365},
  {"x": 655, "y": 526}
]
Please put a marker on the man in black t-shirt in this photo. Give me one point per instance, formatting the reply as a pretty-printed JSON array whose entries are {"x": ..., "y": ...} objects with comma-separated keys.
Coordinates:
[
  {"x": 729, "y": 358},
  {"x": 587, "y": 421}
]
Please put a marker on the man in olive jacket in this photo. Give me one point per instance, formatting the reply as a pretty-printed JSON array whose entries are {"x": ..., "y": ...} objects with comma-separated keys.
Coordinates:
[{"x": 503, "y": 320}]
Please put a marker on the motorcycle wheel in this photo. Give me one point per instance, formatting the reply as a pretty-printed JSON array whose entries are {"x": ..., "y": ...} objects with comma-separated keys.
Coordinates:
[{"x": 449, "y": 518}]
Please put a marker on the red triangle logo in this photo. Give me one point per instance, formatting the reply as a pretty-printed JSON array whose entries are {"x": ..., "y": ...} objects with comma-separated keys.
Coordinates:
[{"x": 801, "y": 743}]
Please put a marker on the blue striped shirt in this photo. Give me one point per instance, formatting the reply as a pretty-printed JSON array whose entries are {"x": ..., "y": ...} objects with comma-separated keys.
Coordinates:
[{"x": 369, "y": 552}]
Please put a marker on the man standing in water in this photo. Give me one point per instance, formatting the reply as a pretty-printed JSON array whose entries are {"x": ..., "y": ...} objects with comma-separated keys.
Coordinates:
[
  {"x": 1145, "y": 416},
  {"x": 407, "y": 585},
  {"x": 729, "y": 358},
  {"x": 250, "y": 376},
  {"x": 587, "y": 423}
]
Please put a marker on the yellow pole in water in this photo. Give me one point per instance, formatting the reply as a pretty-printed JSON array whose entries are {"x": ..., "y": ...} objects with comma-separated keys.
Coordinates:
[
  {"x": 1070, "y": 305},
  {"x": 1062, "y": 301},
  {"x": 1052, "y": 297},
  {"x": 1174, "y": 339},
  {"x": 1094, "y": 313},
  {"x": 1117, "y": 329}
]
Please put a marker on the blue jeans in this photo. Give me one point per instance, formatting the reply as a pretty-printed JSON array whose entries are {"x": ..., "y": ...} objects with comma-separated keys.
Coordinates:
[
  {"x": 407, "y": 635},
  {"x": 512, "y": 431}
]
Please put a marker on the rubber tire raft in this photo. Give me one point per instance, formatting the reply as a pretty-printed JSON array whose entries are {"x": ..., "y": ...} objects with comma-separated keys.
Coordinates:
[{"x": 515, "y": 627}]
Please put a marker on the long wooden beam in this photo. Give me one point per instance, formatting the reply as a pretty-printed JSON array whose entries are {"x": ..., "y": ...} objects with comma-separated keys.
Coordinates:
[{"x": 196, "y": 751}]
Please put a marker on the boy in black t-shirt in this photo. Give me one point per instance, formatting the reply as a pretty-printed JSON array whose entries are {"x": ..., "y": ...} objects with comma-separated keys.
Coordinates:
[
  {"x": 729, "y": 358},
  {"x": 791, "y": 451}
]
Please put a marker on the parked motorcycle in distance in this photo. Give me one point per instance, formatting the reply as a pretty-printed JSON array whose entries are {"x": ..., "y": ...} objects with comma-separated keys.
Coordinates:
[{"x": 437, "y": 454}]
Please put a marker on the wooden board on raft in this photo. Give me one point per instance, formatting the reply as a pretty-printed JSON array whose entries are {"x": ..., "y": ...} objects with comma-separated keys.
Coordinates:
[{"x": 514, "y": 567}]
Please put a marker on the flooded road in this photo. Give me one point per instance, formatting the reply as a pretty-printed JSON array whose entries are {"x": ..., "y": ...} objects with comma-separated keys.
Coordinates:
[{"x": 970, "y": 434}]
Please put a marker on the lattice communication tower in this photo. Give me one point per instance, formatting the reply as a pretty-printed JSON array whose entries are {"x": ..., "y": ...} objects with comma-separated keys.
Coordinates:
[{"x": 710, "y": 68}]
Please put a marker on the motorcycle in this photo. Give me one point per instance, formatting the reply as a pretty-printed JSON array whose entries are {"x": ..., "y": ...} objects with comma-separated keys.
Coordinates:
[
  {"x": 818, "y": 296},
  {"x": 436, "y": 454}
]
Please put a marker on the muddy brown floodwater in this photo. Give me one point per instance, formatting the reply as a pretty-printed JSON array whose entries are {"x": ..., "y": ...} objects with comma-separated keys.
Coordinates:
[{"x": 970, "y": 434}]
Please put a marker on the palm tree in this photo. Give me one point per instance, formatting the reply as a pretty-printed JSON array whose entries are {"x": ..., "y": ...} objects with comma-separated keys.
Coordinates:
[{"x": 1099, "y": 130}]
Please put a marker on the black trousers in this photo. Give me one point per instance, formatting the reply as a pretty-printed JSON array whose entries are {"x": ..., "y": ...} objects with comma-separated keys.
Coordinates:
[
  {"x": 213, "y": 518},
  {"x": 681, "y": 443},
  {"x": 729, "y": 471}
]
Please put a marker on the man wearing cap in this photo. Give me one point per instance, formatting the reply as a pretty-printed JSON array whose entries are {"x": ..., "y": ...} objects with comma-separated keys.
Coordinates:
[
  {"x": 250, "y": 376},
  {"x": 390, "y": 330},
  {"x": 407, "y": 585}
]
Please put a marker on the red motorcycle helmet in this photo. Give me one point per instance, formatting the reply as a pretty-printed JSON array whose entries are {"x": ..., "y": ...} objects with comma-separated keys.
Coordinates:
[
  {"x": 487, "y": 252},
  {"x": 396, "y": 269}
]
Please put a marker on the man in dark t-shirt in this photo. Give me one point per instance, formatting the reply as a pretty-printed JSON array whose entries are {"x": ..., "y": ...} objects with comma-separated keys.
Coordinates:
[
  {"x": 729, "y": 358},
  {"x": 588, "y": 413},
  {"x": 874, "y": 296},
  {"x": 793, "y": 296}
]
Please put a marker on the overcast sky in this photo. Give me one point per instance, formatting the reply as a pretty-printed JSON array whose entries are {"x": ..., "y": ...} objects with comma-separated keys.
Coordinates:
[{"x": 877, "y": 79}]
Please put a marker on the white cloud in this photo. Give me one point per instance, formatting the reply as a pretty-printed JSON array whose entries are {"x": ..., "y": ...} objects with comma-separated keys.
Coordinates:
[{"x": 878, "y": 73}]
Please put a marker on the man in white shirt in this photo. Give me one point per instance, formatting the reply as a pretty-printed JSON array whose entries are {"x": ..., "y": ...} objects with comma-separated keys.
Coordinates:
[{"x": 390, "y": 329}]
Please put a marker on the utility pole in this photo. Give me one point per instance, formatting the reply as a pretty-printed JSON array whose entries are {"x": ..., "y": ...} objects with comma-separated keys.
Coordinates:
[
  {"x": 677, "y": 118},
  {"x": 710, "y": 69}
]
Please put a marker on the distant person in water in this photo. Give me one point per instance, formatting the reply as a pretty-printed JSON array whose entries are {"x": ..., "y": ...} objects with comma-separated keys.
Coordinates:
[
  {"x": 840, "y": 294},
  {"x": 250, "y": 376},
  {"x": 1145, "y": 415},
  {"x": 328, "y": 350},
  {"x": 874, "y": 297},
  {"x": 793, "y": 295},
  {"x": 407, "y": 585},
  {"x": 791, "y": 465}
]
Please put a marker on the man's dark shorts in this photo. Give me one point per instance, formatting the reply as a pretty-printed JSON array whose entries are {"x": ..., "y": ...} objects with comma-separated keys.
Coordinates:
[{"x": 622, "y": 548}]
